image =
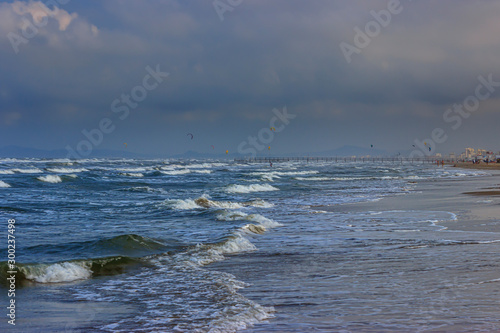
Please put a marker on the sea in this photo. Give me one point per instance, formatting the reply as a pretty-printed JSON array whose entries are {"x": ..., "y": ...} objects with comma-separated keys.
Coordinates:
[{"x": 127, "y": 245}]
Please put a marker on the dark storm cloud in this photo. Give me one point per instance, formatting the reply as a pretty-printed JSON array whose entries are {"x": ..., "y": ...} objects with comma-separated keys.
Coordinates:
[{"x": 226, "y": 76}]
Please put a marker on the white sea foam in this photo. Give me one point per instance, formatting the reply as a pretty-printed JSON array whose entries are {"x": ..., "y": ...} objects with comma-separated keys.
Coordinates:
[
  {"x": 6, "y": 172},
  {"x": 313, "y": 178},
  {"x": 204, "y": 254},
  {"x": 246, "y": 317},
  {"x": 133, "y": 169},
  {"x": 269, "y": 178},
  {"x": 3, "y": 184},
  {"x": 180, "y": 204},
  {"x": 201, "y": 203},
  {"x": 132, "y": 174},
  {"x": 259, "y": 203},
  {"x": 176, "y": 172},
  {"x": 231, "y": 216},
  {"x": 238, "y": 243},
  {"x": 202, "y": 171},
  {"x": 32, "y": 170},
  {"x": 146, "y": 189},
  {"x": 488, "y": 281},
  {"x": 297, "y": 173},
  {"x": 234, "y": 245},
  {"x": 253, "y": 228},
  {"x": 277, "y": 174},
  {"x": 268, "y": 223},
  {"x": 352, "y": 178},
  {"x": 204, "y": 165},
  {"x": 240, "y": 216},
  {"x": 60, "y": 272},
  {"x": 66, "y": 170},
  {"x": 389, "y": 177},
  {"x": 50, "y": 179},
  {"x": 250, "y": 188},
  {"x": 414, "y": 177}
]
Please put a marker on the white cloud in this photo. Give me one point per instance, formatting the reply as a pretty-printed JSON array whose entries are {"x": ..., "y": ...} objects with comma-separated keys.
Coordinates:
[
  {"x": 22, "y": 21},
  {"x": 40, "y": 12}
]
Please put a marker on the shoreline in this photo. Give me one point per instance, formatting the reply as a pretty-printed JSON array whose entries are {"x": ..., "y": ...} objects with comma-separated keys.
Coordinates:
[
  {"x": 475, "y": 201},
  {"x": 481, "y": 166},
  {"x": 433, "y": 269}
]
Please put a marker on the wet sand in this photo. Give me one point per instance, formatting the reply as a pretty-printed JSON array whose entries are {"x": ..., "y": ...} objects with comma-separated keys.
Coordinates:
[
  {"x": 481, "y": 166},
  {"x": 475, "y": 201},
  {"x": 483, "y": 193}
]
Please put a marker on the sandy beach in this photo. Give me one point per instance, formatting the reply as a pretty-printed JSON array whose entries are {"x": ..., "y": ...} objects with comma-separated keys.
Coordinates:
[
  {"x": 481, "y": 166},
  {"x": 475, "y": 201}
]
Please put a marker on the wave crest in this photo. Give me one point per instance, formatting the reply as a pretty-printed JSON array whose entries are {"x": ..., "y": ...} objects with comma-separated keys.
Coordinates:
[
  {"x": 50, "y": 179},
  {"x": 250, "y": 188},
  {"x": 3, "y": 184},
  {"x": 66, "y": 170}
]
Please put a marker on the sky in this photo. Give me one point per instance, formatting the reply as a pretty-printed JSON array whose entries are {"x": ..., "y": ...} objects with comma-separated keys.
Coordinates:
[{"x": 88, "y": 75}]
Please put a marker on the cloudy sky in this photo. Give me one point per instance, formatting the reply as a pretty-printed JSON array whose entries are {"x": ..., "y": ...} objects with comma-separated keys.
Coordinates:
[{"x": 351, "y": 72}]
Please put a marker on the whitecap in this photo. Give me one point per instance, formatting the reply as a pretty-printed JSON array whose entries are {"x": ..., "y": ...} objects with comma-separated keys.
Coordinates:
[
  {"x": 132, "y": 169},
  {"x": 202, "y": 171},
  {"x": 132, "y": 174},
  {"x": 60, "y": 272},
  {"x": 313, "y": 178},
  {"x": 176, "y": 172},
  {"x": 66, "y": 170},
  {"x": 250, "y": 188},
  {"x": 50, "y": 179},
  {"x": 3, "y": 184},
  {"x": 33, "y": 170},
  {"x": 259, "y": 203},
  {"x": 201, "y": 203},
  {"x": 240, "y": 216}
]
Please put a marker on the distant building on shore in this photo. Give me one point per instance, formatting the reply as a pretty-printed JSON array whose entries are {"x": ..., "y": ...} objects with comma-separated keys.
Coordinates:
[{"x": 472, "y": 154}]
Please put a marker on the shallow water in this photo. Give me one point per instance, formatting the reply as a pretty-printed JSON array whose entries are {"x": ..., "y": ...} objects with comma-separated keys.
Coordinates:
[{"x": 197, "y": 246}]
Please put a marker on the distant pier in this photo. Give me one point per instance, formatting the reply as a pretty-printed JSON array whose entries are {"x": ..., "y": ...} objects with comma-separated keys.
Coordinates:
[{"x": 399, "y": 159}]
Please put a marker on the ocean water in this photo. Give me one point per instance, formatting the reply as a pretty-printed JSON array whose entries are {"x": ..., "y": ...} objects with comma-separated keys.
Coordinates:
[{"x": 219, "y": 246}]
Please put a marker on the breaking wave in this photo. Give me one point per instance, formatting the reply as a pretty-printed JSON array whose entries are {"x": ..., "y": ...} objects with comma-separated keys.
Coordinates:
[
  {"x": 50, "y": 179},
  {"x": 132, "y": 174},
  {"x": 66, "y": 170},
  {"x": 33, "y": 170},
  {"x": 240, "y": 216},
  {"x": 68, "y": 271},
  {"x": 313, "y": 178},
  {"x": 176, "y": 172},
  {"x": 201, "y": 203},
  {"x": 206, "y": 203},
  {"x": 250, "y": 188},
  {"x": 3, "y": 184}
]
